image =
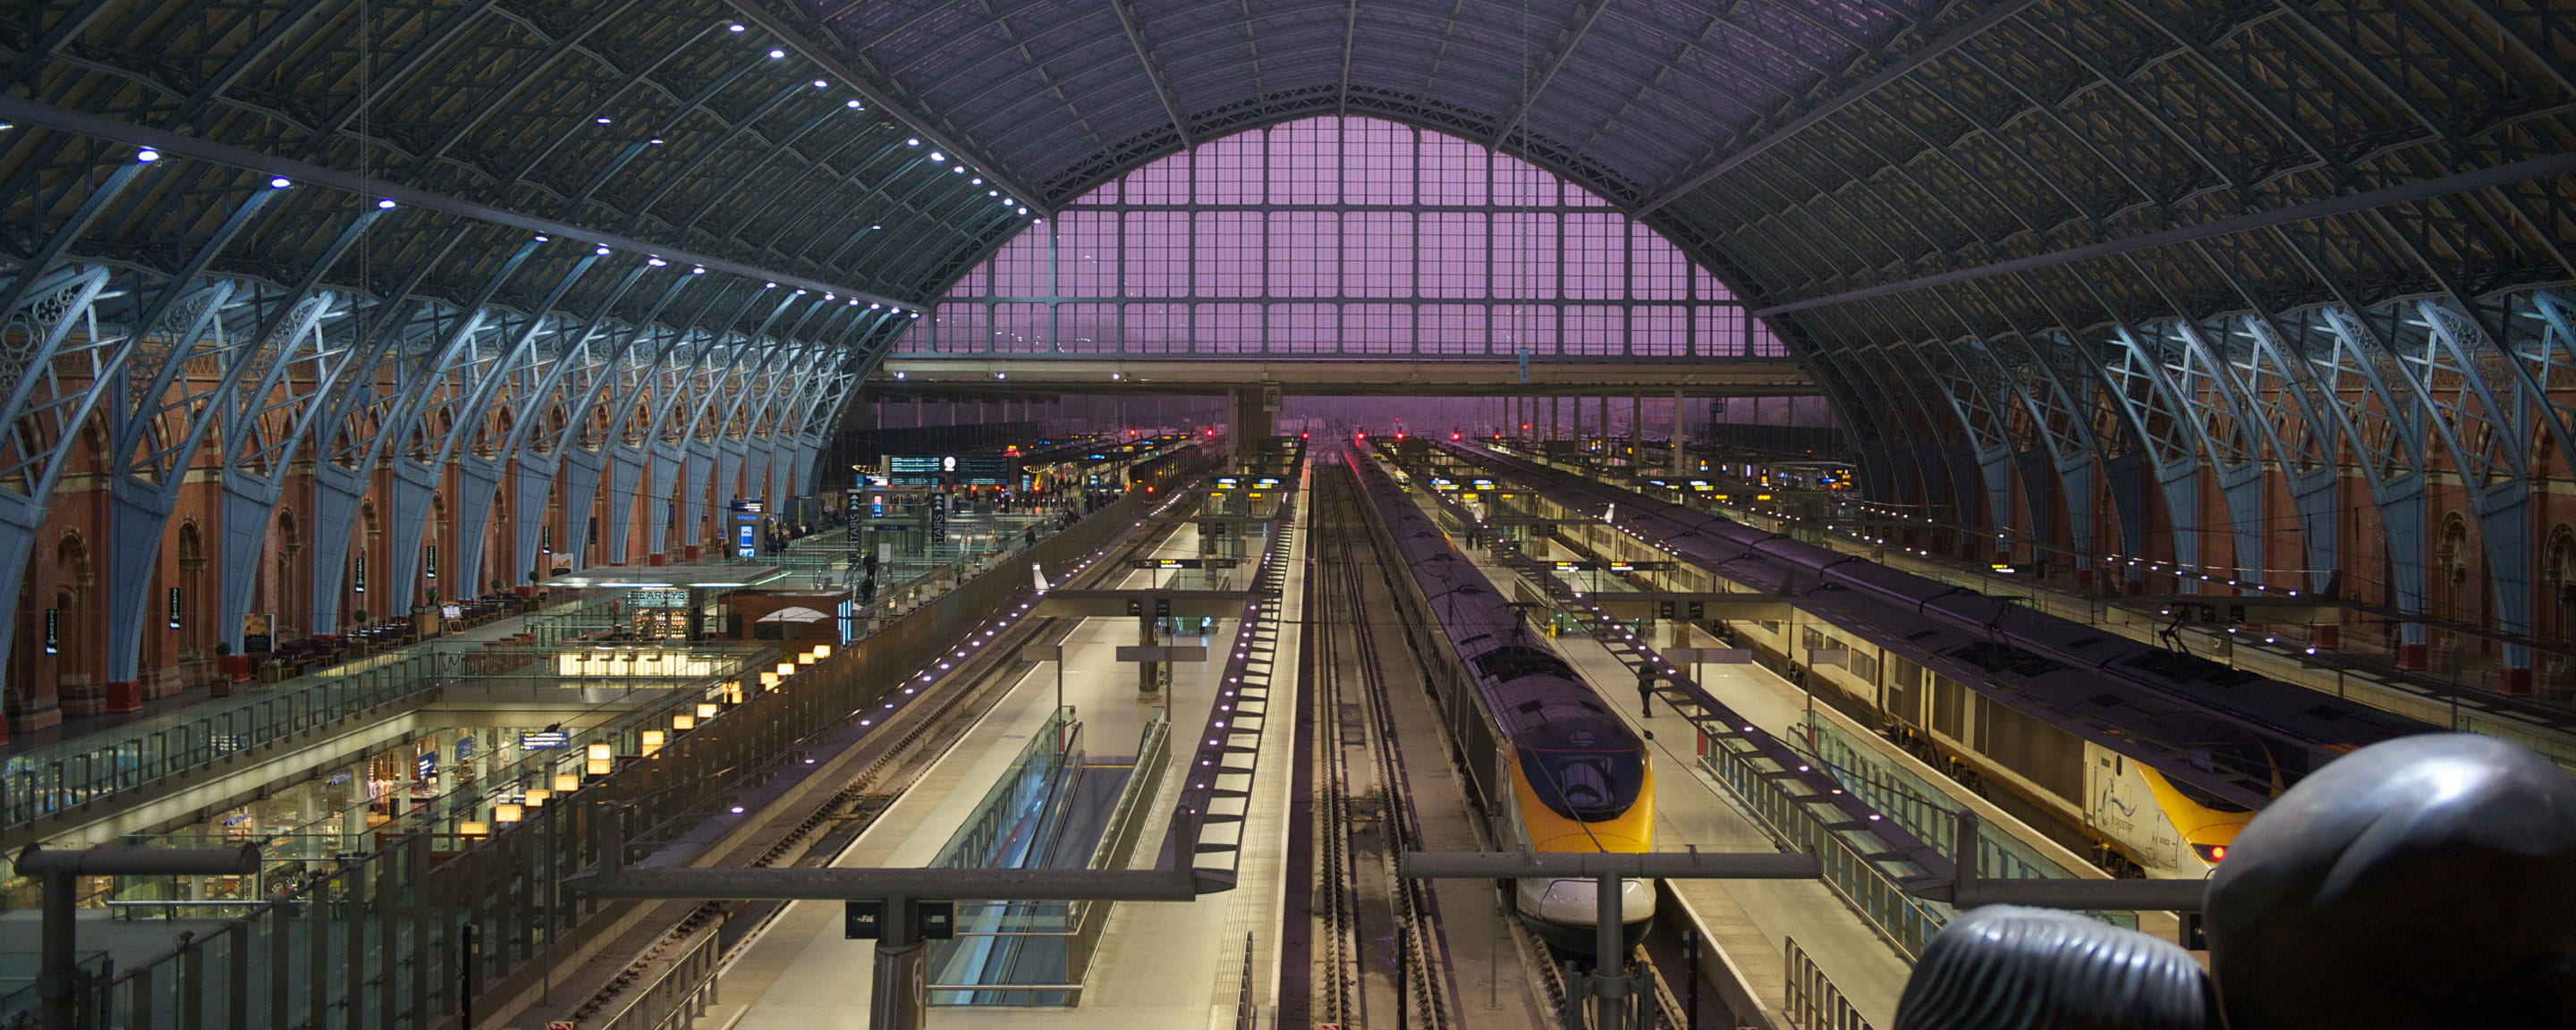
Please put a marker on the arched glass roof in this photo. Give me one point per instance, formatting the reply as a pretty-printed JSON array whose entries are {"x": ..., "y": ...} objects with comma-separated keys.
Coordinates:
[{"x": 1343, "y": 236}]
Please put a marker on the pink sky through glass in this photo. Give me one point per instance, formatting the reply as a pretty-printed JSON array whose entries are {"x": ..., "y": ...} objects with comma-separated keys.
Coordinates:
[{"x": 1347, "y": 236}]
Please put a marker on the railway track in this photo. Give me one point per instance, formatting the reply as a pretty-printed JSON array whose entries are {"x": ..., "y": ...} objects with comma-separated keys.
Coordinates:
[{"x": 1379, "y": 956}]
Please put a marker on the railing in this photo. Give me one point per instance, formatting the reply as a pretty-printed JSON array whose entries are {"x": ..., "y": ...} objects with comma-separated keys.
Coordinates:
[
  {"x": 1032, "y": 777},
  {"x": 678, "y": 993},
  {"x": 1813, "y": 1002},
  {"x": 52, "y": 779},
  {"x": 1118, "y": 841},
  {"x": 1849, "y": 869},
  {"x": 1247, "y": 1012},
  {"x": 1916, "y": 806}
]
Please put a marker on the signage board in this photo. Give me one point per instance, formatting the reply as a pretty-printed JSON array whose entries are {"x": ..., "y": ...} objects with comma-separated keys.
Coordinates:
[
  {"x": 671, "y": 598},
  {"x": 538, "y": 740},
  {"x": 985, "y": 470}
]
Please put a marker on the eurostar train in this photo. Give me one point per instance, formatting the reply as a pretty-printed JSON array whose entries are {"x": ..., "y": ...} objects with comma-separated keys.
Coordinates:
[
  {"x": 1556, "y": 768},
  {"x": 2162, "y": 755}
]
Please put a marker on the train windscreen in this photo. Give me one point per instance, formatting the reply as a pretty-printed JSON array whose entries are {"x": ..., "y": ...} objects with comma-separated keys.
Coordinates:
[{"x": 1583, "y": 771}]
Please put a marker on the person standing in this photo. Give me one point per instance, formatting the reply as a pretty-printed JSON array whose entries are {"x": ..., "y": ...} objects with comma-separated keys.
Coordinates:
[{"x": 1646, "y": 693}]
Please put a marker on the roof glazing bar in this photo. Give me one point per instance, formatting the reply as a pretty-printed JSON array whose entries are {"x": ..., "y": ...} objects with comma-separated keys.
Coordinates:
[
  {"x": 1975, "y": 26},
  {"x": 805, "y": 47},
  {"x": 29, "y": 112},
  {"x": 2484, "y": 178}
]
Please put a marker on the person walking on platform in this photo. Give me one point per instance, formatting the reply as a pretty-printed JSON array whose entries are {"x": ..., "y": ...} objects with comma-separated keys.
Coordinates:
[
  {"x": 1029, "y": 537},
  {"x": 1645, "y": 694},
  {"x": 868, "y": 590}
]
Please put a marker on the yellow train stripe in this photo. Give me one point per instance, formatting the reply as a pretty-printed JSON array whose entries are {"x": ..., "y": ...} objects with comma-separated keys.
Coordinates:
[{"x": 1632, "y": 830}]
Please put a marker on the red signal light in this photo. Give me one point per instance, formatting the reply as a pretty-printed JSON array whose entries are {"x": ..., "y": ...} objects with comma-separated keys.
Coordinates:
[{"x": 1454, "y": 436}]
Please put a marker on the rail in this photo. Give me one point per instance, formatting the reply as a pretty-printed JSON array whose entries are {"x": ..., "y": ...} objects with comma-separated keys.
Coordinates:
[
  {"x": 1812, "y": 1000},
  {"x": 1247, "y": 1013},
  {"x": 678, "y": 993}
]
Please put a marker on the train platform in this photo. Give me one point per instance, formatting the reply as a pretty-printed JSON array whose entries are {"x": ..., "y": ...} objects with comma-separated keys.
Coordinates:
[{"x": 1157, "y": 964}]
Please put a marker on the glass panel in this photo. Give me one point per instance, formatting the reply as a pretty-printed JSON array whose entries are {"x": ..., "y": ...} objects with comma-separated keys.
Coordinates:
[{"x": 1339, "y": 210}]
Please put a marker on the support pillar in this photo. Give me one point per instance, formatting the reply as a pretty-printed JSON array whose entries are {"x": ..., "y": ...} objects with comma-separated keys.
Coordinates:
[
  {"x": 1677, "y": 433},
  {"x": 1145, "y": 670},
  {"x": 1636, "y": 427},
  {"x": 899, "y": 1000},
  {"x": 1250, "y": 425}
]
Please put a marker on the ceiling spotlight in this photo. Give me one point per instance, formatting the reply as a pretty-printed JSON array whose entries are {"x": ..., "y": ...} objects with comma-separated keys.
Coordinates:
[
  {"x": 735, "y": 27},
  {"x": 914, "y": 142},
  {"x": 601, "y": 251},
  {"x": 386, "y": 204},
  {"x": 873, "y": 307},
  {"x": 980, "y": 182},
  {"x": 279, "y": 183},
  {"x": 655, "y": 262},
  {"x": 936, "y": 157},
  {"x": 1024, "y": 211},
  {"x": 147, "y": 155},
  {"x": 769, "y": 286},
  {"x": 698, "y": 270},
  {"x": 656, "y": 141},
  {"x": 960, "y": 169},
  {"x": 990, "y": 193},
  {"x": 853, "y": 105},
  {"x": 898, "y": 374},
  {"x": 602, "y": 119},
  {"x": 818, "y": 84},
  {"x": 776, "y": 54}
]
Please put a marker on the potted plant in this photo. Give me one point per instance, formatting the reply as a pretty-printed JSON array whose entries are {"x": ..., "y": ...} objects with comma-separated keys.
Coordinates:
[
  {"x": 222, "y": 684},
  {"x": 235, "y": 667}
]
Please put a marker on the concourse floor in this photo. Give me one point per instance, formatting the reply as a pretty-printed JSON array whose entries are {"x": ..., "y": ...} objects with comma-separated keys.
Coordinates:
[{"x": 1159, "y": 964}]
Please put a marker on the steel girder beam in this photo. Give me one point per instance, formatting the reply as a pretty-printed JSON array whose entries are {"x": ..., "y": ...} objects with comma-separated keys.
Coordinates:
[
  {"x": 2487, "y": 428},
  {"x": 579, "y": 444},
  {"x": 2276, "y": 388},
  {"x": 2172, "y": 442},
  {"x": 155, "y": 431},
  {"x": 303, "y": 394},
  {"x": 2378, "y": 423}
]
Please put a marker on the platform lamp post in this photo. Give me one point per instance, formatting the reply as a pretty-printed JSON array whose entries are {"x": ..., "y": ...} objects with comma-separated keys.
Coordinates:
[{"x": 56, "y": 940}]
